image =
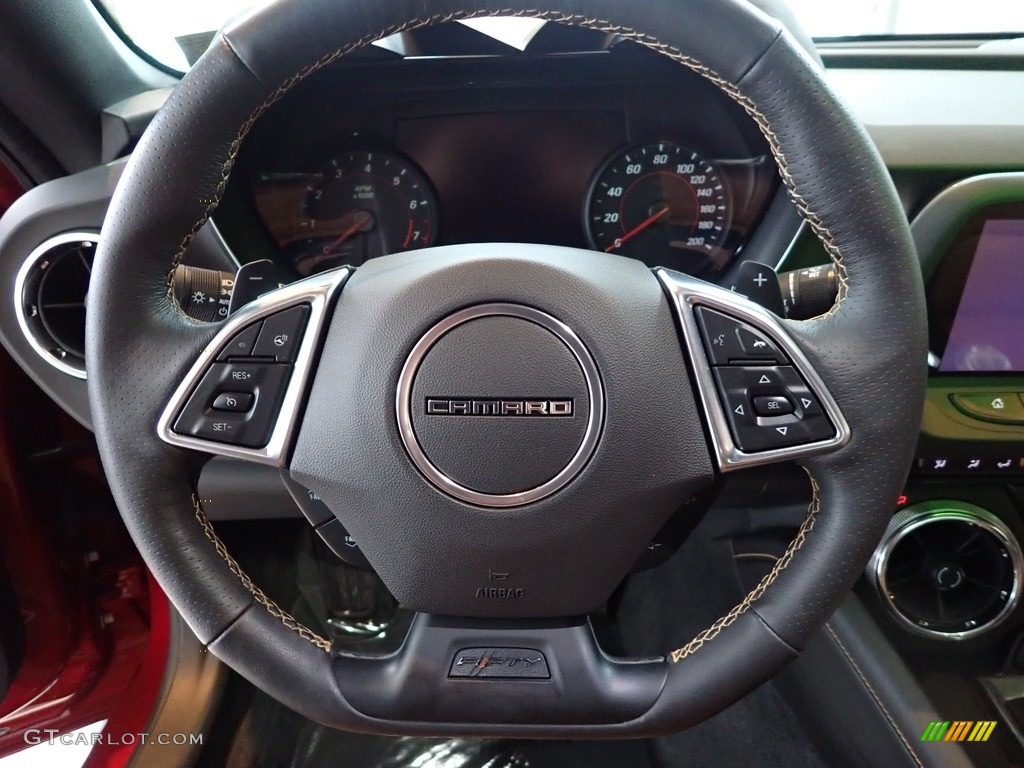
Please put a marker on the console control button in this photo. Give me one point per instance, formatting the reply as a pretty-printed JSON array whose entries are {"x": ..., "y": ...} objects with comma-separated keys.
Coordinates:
[
  {"x": 281, "y": 334},
  {"x": 995, "y": 407},
  {"x": 235, "y": 402},
  {"x": 242, "y": 343},
  {"x": 745, "y": 389},
  {"x": 728, "y": 340},
  {"x": 264, "y": 382},
  {"x": 327, "y": 526},
  {"x": 979, "y": 458},
  {"x": 342, "y": 544},
  {"x": 311, "y": 505}
]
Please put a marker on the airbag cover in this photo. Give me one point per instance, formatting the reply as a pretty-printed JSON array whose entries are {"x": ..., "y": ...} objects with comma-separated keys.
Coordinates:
[{"x": 499, "y": 404}]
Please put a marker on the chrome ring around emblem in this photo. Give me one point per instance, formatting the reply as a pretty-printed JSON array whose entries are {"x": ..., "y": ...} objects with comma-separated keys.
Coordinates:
[{"x": 595, "y": 392}]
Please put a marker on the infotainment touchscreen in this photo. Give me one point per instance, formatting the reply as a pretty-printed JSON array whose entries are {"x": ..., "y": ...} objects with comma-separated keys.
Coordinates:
[{"x": 985, "y": 333}]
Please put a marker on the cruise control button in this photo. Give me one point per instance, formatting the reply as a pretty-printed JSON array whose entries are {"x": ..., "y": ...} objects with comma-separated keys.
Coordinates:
[
  {"x": 264, "y": 382},
  {"x": 772, "y": 405},
  {"x": 242, "y": 343},
  {"x": 236, "y": 402},
  {"x": 995, "y": 407},
  {"x": 281, "y": 334}
]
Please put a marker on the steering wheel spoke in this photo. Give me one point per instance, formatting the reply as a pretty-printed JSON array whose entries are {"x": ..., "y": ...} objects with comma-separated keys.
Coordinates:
[
  {"x": 243, "y": 395},
  {"x": 457, "y": 670},
  {"x": 763, "y": 399}
]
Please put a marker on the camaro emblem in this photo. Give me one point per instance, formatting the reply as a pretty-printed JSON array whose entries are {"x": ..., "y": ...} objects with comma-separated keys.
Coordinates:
[
  {"x": 449, "y": 406},
  {"x": 431, "y": 406}
]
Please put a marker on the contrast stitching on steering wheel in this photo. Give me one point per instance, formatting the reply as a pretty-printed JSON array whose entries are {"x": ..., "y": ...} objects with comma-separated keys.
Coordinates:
[
  {"x": 712, "y": 632},
  {"x": 817, "y": 225},
  {"x": 260, "y": 596}
]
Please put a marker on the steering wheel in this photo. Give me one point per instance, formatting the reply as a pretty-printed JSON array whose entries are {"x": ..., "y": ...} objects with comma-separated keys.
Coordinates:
[{"x": 503, "y": 428}]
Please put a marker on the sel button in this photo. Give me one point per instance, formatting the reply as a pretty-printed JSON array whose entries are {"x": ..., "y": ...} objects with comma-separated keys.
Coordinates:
[{"x": 772, "y": 405}]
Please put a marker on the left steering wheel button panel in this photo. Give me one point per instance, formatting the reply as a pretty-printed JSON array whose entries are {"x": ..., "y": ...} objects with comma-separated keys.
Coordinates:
[{"x": 263, "y": 383}]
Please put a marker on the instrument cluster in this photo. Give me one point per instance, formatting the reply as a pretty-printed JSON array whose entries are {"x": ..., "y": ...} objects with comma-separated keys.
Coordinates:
[{"x": 671, "y": 174}]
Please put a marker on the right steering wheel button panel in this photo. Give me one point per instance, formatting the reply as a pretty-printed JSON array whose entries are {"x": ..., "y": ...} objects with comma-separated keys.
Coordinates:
[{"x": 767, "y": 405}]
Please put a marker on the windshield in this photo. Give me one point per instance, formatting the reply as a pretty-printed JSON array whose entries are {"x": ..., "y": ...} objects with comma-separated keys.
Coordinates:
[{"x": 175, "y": 33}]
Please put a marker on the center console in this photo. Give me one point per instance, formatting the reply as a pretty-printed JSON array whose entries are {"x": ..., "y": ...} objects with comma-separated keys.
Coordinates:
[
  {"x": 974, "y": 417},
  {"x": 944, "y": 585}
]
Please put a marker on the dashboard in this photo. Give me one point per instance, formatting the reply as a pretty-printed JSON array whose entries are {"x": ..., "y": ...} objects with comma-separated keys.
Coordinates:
[
  {"x": 565, "y": 151},
  {"x": 623, "y": 152}
]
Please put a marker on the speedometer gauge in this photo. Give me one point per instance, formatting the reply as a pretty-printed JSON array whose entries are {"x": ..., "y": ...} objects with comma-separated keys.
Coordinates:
[{"x": 661, "y": 203}]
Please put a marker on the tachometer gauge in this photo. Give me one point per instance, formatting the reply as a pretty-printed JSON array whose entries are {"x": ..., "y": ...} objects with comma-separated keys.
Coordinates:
[
  {"x": 661, "y": 203},
  {"x": 364, "y": 204}
]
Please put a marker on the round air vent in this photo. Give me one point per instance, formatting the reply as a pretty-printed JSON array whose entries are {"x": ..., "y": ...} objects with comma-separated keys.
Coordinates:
[
  {"x": 50, "y": 293},
  {"x": 948, "y": 570}
]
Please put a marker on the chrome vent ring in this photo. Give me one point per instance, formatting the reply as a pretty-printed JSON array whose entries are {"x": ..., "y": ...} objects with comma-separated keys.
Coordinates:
[
  {"x": 948, "y": 570},
  {"x": 50, "y": 299}
]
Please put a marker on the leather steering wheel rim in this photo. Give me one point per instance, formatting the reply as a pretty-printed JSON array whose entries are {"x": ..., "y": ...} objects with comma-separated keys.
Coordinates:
[{"x": 870, "y": 348}]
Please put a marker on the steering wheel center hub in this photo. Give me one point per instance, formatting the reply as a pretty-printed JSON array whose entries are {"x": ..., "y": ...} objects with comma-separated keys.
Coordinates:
[{"x": 500, "y": 405}]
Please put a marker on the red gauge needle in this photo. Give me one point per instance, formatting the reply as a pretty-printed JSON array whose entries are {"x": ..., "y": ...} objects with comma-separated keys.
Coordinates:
[
  {"x": 636, "y": 230},
  {"x": 356, "y": 226}
]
